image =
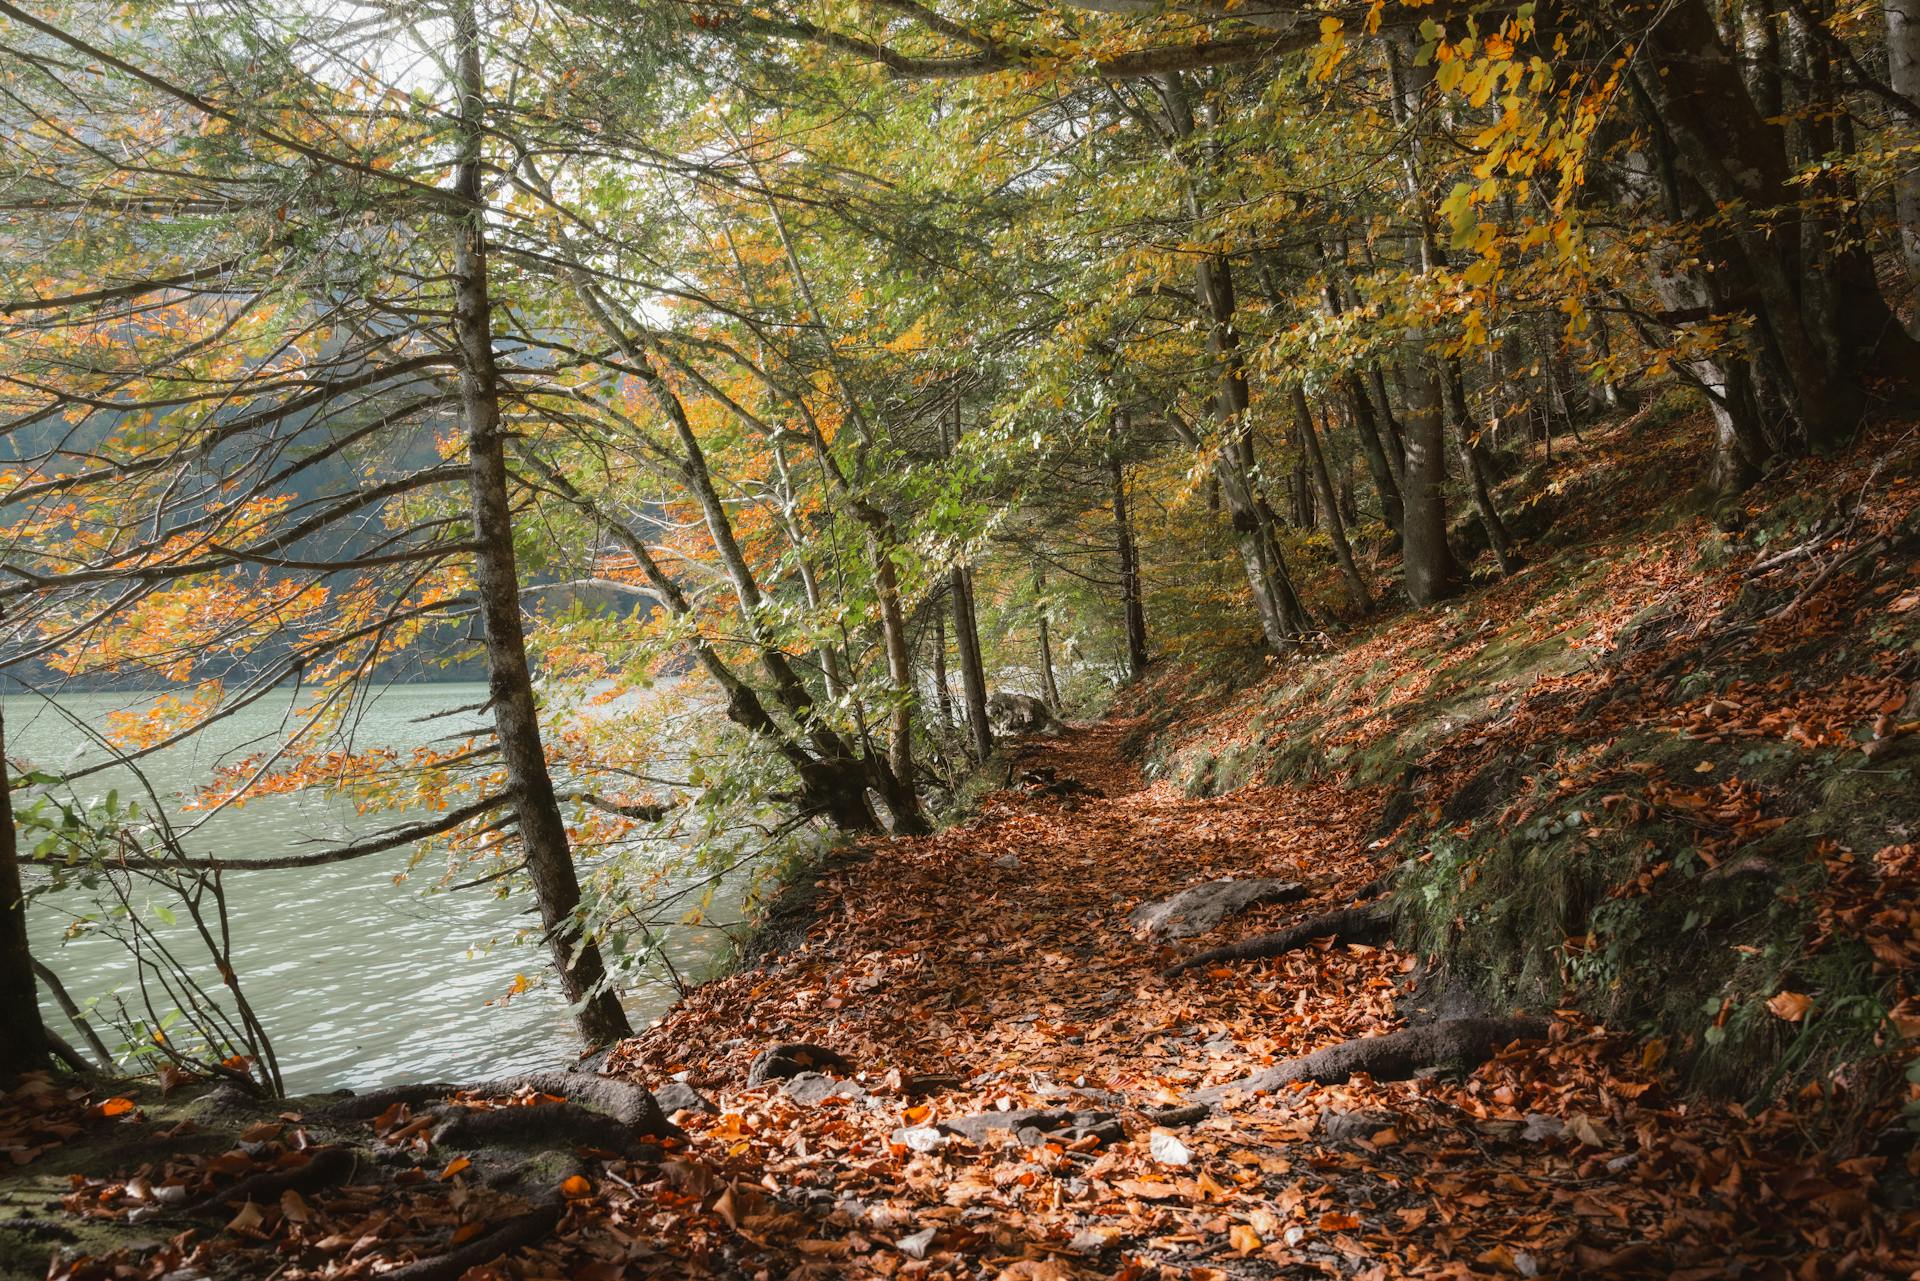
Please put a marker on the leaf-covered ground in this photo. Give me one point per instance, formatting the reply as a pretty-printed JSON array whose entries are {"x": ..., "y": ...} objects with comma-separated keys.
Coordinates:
[
  {"x": 991, "y": 967},
  {"x": 1707, "y": 693}
]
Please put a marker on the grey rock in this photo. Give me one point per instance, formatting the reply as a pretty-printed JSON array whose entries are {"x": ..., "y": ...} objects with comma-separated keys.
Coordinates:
[
  {"x": 815, "y": 1088},
  {"x": 678, "y": 1096},
  {"x": 1022, "y": 714},
  {"x": 791, "y": 1058},
  {"x": 1200, "y": 908},
  {"x": 1038, "y": 1125},
  {"x": 1338, "y": 1127}
]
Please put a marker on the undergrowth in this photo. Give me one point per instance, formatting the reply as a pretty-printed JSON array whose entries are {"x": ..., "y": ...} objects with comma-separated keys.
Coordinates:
[{"x": 1664, "y": 774}]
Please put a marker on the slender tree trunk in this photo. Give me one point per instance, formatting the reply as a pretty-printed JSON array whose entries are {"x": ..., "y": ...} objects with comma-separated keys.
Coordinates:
[
  {"x": 893, "y": 629},
  {"x": 1329, "y": 507},
  {"x": 1392, "y": 438},
  {"x": 827, "y": 653},
  {"x": 1366, "y": 427},
  {"x": 23, "y": 1045},
  {"x": 966, "y": 632},
  {"x": 1610, "y": 394},
  {"x": 973, "y": 672},
  {"x": 1132, "y": 607},
  {"x": 1372, "y": 408},
  {"x": 1049, "y": 690},
  {"x": 543, "y": 832},
  {"x": 1474, "y": 469},
  {"x": 1903, "y": 76},
  {"x": 1282, "y": 617},
  {"x": 1741, "y": 446},
  {"x": 942, "y": 692}
]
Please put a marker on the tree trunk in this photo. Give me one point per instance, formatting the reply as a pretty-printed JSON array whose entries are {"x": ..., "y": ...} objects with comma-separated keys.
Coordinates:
[
  {"x": 1329, "y": 507},
  {"x": 834, "y": 783},
  {"x": 1741, "y": 446},
  {"x": 1428, "y": 562},
  {"x": 543, "y": 833},
  {"x": 1903, "y": 76},
  {"x": 1132, "y": 608},
  {"x": 23, "y": 1047},
  {"x": 1429, "y": 567},
  {"x": 893, "y": 629},
  {"x": 1282, "y": 618},
  {"x": 1049, "y": 690},
  {"x": 1392, "y": 438},
  {"x": 966, "y": 637},
  {"x": 973, "y": 672},
  {"x": 1366, "y": 427},
  {"x": 942, "y": 692},
  {"x": 1824, "y": 330},
  {"x": 1474, "y": 469}
]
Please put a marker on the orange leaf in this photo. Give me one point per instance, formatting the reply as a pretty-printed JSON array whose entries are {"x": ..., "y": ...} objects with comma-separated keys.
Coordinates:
[
  {"x": 460, "y": 1163},
  {"x": 1243, "y": 1238},
  {"x": 1339, "y": 1221},
  {"x": 1791, "y": 1006},
  {"x": 115, "y": 1106}
]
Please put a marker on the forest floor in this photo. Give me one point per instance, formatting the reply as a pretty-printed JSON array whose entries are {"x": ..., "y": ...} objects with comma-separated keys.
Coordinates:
[
  {"x": 1711, "y": 717},
  {"x": 992, "y": 967}
]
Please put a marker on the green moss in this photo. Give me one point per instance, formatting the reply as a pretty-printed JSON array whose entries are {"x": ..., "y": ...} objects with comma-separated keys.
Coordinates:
[{"x": 1628, "y": 922}]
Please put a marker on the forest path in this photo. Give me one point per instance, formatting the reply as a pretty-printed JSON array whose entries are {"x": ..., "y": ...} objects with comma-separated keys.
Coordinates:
[
  {"x": 1002, "y": 944},
  {"x": 991, "y": 967}
]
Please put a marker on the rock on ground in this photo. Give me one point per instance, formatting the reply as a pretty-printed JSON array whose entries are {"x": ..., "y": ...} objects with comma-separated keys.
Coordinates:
[
  {"x": 791, "y": 1058},
  {"x": 1200, "y": 908}
]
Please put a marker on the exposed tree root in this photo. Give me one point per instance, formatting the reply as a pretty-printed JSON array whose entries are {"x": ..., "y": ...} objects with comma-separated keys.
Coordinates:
[
  {"x": 327, "y": 1166},
  {"x": 522, "y": 1230},
  {"x": 551, "y": 1125},
  {"x": 1392, "y": 1057},
  {"x": 631, "y": 1105},
  {"x": 1367, "y": 924},
  {"x": 365, "y": 1107}
]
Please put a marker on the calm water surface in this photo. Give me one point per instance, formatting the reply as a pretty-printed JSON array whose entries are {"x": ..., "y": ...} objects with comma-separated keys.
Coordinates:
[{"x": 359, "y": 981}]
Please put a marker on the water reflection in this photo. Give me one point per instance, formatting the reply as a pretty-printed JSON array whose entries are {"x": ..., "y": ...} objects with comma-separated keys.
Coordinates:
[{"x": 360, "y": 981}]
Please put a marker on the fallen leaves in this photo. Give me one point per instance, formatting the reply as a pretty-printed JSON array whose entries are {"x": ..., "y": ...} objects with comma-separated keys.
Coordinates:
[
  {"x": 1791, "y": 1006},
  {"x": 983, "y": 970}
]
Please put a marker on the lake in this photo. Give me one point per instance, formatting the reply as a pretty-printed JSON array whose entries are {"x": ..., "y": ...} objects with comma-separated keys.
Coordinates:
[{"x": 359, "y": 981}]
